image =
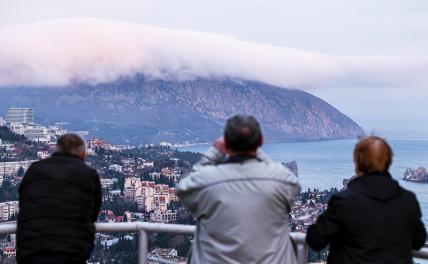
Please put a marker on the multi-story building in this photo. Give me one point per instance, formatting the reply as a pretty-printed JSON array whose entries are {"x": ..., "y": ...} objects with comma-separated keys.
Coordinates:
[
  {"x": 17, "y": 128},
  {"x": 57, "y": 131},
  {"x": 9, "y": 251},
  {"x": 37, "y": 133},
  {"x": 132, "y": 188},
  {"x": 43, "y": 154},
  {"x": 19, "y": 115},
  {"x": 8, "y": 209},
  {"x": 163, "y": 216},
  {"x": 148, "y": 194},
  {"x": 107, "y": 183},
  {"x": 12, "y": 167},
  {"x": 2, "y": 121},
  {"x": 115, "y": 167},
  {"x": 165, "y": 255}
]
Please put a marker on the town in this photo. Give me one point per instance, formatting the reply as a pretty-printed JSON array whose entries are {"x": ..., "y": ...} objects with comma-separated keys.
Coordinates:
[{"x": 138, "y": 184}]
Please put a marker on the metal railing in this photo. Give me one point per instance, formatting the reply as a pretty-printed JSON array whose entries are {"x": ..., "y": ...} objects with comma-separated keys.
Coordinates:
[{"x": 144, "y": 229}]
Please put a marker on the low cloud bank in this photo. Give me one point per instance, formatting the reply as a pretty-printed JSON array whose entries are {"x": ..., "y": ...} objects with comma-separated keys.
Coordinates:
[{"x": 59, "y": 52}]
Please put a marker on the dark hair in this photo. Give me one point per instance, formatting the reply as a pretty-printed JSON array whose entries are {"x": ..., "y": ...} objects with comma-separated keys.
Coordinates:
[
  {"x": 69, "y": 143},
  {"x": 372, "y": 154},
  {"x": 242, "y": 133}
]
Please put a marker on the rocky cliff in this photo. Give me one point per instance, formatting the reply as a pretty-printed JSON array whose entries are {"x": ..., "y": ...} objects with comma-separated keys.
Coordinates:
[
  {"x": 140, "y": 110},
  {"x": 416, "y": 175}
]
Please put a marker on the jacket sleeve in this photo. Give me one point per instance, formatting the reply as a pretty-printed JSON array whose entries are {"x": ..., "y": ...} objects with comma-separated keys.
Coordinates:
[
  {"x": 292, "y": 189},
  {"x": 97, "y": 198},
  {"x": 189, "y": 186},
  {"x": 419, "y": 234},
  {"x": 319, "y": 235},
  {"x": 24, "y": 180}
]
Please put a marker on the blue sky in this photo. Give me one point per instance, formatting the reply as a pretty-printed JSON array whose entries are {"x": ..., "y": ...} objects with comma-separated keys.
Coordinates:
[{"x": 395, "y": 29}]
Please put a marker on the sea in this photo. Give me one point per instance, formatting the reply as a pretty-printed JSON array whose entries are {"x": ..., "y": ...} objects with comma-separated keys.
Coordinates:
[{"x": 324, "y": 164}]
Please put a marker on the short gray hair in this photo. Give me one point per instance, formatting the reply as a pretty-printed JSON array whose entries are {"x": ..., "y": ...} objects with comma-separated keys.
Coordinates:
[{"x": 69, "y": 143}]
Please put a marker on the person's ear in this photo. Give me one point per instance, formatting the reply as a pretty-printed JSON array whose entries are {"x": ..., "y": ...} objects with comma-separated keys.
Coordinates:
[{"x": 83, "y": 155}]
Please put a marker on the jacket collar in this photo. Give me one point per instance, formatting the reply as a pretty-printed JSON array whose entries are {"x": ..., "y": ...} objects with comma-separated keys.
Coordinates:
[
  {"x": 64, "y": 154},
  {"x": 379, "y": 186},
  {"x": 241, "y": 158}
]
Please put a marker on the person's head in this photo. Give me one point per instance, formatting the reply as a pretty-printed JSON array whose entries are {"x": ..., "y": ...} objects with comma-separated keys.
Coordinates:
[
  {"x": 242, "y": 134},
  {"x": 372, "y": 155},
  {"x": 71, "y": 144}
]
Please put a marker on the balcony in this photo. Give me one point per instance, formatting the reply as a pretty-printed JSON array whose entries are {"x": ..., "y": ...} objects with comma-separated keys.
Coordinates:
[{"x": 144, "y": 228}]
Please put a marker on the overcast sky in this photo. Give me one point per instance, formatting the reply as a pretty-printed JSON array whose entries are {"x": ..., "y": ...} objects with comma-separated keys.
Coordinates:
[{"x": 333, "y": 28}]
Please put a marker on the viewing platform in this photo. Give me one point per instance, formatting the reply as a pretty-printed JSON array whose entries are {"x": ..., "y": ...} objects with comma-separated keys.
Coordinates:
[{"x": 144, "y": 229}]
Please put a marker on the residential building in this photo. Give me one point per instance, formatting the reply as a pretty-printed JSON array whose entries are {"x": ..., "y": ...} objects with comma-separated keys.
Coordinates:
[
  {"x": 12, "y": 167},
  {"x": 9, "y": 251},
  {"x": 115, "y": 167},
  {"x": 165, "y": 255},
  {"x": 42, "y": 154},
  {"x": 19, "y": 115},
  {"x": 8, "y": 209},
  {"x": 17, "y": 128},
  {"x": 107, "y": 183},
  {"x": 38, "y": 133},
  {"x": 57, "y": 131},
  {"x": 163, "y": 216},
  {"x": 148, "y": 194}
]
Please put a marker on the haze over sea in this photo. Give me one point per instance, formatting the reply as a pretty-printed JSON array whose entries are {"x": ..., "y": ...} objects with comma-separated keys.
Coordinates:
[{"x": 324, "y": 164}]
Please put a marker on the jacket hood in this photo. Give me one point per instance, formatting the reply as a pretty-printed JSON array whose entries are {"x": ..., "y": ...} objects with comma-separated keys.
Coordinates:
[{"x": 379, "y": 186}]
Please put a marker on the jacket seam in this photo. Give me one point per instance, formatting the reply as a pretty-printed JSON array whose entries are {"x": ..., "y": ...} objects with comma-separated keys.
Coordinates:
[{"x": 244, "y": 179}]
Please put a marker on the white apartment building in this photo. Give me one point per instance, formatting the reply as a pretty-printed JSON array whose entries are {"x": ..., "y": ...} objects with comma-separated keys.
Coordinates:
[
  {"x": 115, "y": 167},
  {"x": 19, "y": 115},
  {"x": 42, "y": 154},
  {"x": 37, "y": 133},
  {"x": 107, "y": 183},
  {"x": 17, "y": 128},
  {"x": 57, "y": 131},
  {"x": 8, "y": 209},
  {"x": 160, "y": 216},
  {"x": 12, "y": 167}
]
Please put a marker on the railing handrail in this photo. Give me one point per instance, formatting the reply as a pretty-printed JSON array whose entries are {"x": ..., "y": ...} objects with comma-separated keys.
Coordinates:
[{"x": 143, "y": 228}]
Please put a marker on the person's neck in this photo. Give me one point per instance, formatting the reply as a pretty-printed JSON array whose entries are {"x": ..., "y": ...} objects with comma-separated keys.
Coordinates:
[{"x": 236, "y": 154}]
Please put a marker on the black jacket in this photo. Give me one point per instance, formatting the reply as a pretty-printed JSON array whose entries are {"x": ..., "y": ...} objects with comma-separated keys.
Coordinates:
[
  {"x": 373, "y": 221},
  {"x": 59, "y": 199}
]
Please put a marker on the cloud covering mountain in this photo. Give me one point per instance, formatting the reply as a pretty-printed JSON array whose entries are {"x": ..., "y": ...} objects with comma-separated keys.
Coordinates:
[{"x": 61, "y": 52}]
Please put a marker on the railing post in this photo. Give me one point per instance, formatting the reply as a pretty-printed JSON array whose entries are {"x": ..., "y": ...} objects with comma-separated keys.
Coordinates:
[
  {"x": 302, "y": 253},
  {"x": 143, "y": 242}
]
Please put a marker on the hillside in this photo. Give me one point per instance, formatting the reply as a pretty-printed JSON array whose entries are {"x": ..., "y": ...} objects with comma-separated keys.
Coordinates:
[{"x": 141, "y": 110}]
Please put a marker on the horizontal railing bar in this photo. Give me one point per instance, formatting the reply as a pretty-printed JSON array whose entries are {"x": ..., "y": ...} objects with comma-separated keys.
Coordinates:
[
  {"x": 6, "y": 229},
  {"x": 148, "y": 227},
  {"x": 167, "y": 228},
  {"x": 422, "y": 253},
  {"x": 298, "y": 237},
  {"x": 132, "y": 227},
  {"x": 129, "y": 227}
]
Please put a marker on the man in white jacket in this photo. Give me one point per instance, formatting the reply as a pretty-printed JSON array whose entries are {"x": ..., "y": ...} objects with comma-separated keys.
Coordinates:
[{"x": 241, "y": 200}]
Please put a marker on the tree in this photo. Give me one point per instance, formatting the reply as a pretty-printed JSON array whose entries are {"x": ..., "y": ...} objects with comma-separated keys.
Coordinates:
[{"x": 20, "y": 171}]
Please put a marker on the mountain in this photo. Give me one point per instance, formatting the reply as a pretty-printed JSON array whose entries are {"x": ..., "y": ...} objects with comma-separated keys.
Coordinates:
[{"x": 141, "y": 110}]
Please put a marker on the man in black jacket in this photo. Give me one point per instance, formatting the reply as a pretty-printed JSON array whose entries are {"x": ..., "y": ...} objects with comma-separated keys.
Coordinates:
[
  {"x": 374, "y": 220},
  {"x": 60, "y": 198}
]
